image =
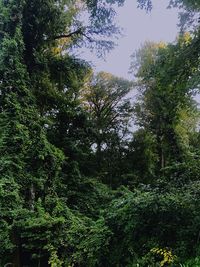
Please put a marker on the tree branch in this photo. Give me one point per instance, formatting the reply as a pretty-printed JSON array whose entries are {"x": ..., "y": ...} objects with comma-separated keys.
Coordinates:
[
  {"x": 68, "y": 35},
  {"x": 79, "y": 31}
]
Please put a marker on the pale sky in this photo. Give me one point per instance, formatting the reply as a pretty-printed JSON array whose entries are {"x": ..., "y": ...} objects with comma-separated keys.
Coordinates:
[{"x": 138, "y": 26}]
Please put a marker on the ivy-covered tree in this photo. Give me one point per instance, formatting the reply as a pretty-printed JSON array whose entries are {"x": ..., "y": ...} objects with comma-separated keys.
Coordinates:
[
  {"x": 38, "y": 92},
  {"x": 29, "y": 163}
]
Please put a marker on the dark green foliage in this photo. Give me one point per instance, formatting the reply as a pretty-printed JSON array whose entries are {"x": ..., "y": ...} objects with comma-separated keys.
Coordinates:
[
  {"x": 39, "y": 93},
  {"x": 142, "y": 151},
  {"x": 77, "y": 187},
  {"x": 29, "y": 163},
  {"x": 144, "y": 219}
]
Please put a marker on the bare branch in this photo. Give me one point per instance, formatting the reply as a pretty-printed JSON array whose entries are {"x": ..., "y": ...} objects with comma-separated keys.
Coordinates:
[
  {"x": 80, "y": 31},
  {"x": 68, "y": 35}
]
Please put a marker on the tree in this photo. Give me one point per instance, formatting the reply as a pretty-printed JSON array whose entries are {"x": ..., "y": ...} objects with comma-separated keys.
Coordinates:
[
  {"x": 35, "y": 97},
  {"x": 141, "y": 159},
  {"x": 106, "y": 101},
  {"x": 165, "y": 92},
  {"x": 29, "y": 163}
]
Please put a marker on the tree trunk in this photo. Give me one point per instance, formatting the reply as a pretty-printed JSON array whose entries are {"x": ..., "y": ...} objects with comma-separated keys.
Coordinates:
[
  {"x": 161, "y": 154},
  {"x": 32, "y": 197},
  {"x": 16, "y": 253}
]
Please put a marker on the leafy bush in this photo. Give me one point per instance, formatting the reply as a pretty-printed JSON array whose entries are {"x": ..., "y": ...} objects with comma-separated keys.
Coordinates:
[
  {"x": 156, "y": 257},
  {"x": 144, "y": 219},
  {"x": 191, "y": 263}
]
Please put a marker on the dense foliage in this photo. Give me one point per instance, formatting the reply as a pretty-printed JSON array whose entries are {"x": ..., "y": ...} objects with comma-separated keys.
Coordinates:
[{"x": 79, "y": 186}]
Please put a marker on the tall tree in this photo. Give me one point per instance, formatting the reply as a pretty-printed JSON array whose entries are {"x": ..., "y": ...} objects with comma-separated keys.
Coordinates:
[
  {"x": 165, "y": 86},
  {"x": 29, "y": 163},
  {"x": 109, "y": 108},
  {"x": 33, "y": 92}
]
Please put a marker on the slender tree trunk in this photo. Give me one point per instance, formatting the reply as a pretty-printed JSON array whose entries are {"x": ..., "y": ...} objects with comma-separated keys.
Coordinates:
[
  {"x": 32, "y": 197},
  {"x": 98, "y": 154},
  {"x": 16, "y": 258},
  {"x": 16, "y": 253},
  {"x": 162, "y": 158},
  {"x": 161, "y": 154}
]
